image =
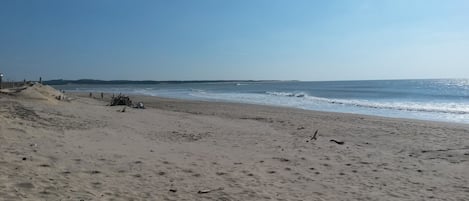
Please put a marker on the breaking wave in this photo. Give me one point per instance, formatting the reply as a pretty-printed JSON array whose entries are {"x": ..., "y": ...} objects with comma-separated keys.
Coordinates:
[{"x": 453, "y": 108}]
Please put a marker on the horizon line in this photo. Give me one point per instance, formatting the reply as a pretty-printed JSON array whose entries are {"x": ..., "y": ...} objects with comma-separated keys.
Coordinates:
[{"x": 242, "y": 80}]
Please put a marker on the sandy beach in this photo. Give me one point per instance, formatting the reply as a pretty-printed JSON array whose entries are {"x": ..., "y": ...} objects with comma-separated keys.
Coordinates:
[{"x": 81, "y": 149}]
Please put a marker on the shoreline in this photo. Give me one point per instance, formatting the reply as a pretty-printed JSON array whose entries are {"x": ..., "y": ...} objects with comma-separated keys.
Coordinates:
[
  {"x": 441, "y": 101},
  {"x": 81, "y": 149},
  {"x": 152, "y": 99}
]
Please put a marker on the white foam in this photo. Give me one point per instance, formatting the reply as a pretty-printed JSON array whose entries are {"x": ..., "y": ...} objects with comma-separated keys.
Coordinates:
[
  {"x": 456, "y": 108},
  {"x": 451, "y": 112}
]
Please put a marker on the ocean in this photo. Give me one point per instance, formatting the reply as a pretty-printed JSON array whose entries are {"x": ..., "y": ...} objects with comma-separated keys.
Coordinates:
[{"x": 445, "y": 100}]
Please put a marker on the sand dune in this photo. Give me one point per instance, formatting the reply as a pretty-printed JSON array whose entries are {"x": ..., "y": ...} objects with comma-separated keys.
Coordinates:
[
  {"x": 35, "y": 91},
  {"x": 189, "y": 150}
]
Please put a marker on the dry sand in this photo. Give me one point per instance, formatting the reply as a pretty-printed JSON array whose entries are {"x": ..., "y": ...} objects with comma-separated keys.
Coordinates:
[{"x": 190, "y": 150}]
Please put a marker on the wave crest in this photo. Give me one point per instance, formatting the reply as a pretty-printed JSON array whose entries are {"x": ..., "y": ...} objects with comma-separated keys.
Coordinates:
[{"x": 453, "y": 108}]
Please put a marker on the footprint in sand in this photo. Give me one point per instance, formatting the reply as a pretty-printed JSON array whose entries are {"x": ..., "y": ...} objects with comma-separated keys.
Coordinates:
[
  {"x": 247, "y": 173},
  {"x": 25, "y": 185},
  {"x": 94, "y": 172},
  {"x": 281, "y": 159},
  {"x": 17, "y": 129},
  {"x": 188, "y": 171}
]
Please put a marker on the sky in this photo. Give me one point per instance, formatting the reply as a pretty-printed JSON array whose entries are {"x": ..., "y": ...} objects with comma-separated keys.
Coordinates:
[{"x": 308, "y": 40}]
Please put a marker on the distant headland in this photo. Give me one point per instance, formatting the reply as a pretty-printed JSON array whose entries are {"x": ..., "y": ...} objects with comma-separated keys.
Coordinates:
[{"x": 92, "y": 81}]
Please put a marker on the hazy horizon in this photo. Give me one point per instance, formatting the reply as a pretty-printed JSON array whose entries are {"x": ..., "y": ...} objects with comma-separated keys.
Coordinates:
[
  {"x": 221, "y": 80},
  {"x": 241, "y": 40}
]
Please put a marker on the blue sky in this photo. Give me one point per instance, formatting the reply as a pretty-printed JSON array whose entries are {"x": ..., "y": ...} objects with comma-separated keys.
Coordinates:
[{"x": 243, "y": 39}]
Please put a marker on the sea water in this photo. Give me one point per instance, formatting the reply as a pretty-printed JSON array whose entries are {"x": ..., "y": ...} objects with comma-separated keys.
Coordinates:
[{"x": 437, "y": 100}]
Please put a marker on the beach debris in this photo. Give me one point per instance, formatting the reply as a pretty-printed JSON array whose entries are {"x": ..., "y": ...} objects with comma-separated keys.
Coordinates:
[
  {"x": 300, "y": 128},
  {"x": 208, "y": 190},
  {"x": 204, "y": 191},
  {"x": 281, "y": 159},
  {"x": 173, "y": 190},
  {"x": 125, "y": 100},
  {"x": 314, "y": 136},
  {"x": 121, "y": 100},
  {"x": 439, "y": 150},
  {"x": 338, "y": 142},
  {"x": 139, "y": 105}
]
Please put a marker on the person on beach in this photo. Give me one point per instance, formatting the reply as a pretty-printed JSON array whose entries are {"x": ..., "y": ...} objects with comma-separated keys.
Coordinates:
[{"x": 102, "y": 95}]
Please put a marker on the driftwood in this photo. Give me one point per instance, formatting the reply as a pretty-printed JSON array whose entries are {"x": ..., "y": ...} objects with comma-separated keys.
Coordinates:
[
  {"x": 438, "y": 150},
  {"x": 121, "y": 100},
  {"x": 338, "y": 142},
  {"x": 315, "y": 136},
  {"x": 209, "y": 190}
]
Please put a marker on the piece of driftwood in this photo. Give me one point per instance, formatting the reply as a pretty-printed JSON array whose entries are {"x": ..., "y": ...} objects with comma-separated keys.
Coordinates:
[
  {"x": 208, "y": 190},
  {"x": 438, "y": 150},
  {"x": 338, "y": 142},
  {"x": 315, "y": 136},
  {"x": 121, "y": 100}
]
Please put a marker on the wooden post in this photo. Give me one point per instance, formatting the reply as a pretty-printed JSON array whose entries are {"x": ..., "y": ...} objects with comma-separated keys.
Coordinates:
[{"x": 1, "y": 78}]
